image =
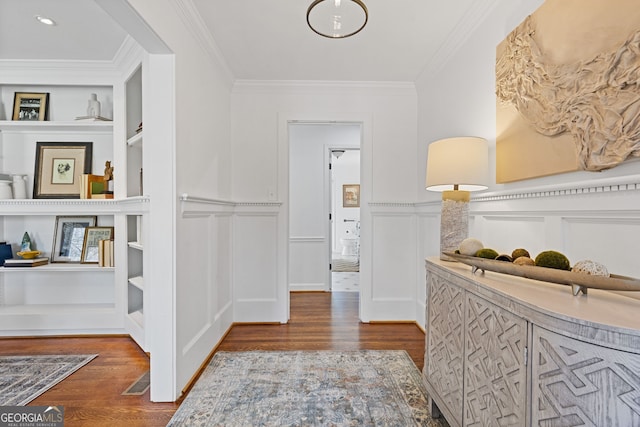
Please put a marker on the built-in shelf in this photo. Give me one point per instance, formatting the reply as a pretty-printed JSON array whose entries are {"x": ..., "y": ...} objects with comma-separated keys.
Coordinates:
[
  {"x": 56, "y": 309},
  {"x": 138, "y": 317},
  {"x": 135, "y": 140},
  {"x": 59, "y": 268},
  {"x": 54, "y": 126},
  {"x": 135, "y": 245},
  {"x": 57, "y": 206},
  {"x": 137, "y": 281}
]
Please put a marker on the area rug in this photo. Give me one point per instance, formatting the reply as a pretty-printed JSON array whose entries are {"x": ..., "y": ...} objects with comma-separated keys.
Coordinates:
[
  {"x": 23, "y": 378},
  {"x": 343, "y": 265},
  {"x": 307, "y": 388}
]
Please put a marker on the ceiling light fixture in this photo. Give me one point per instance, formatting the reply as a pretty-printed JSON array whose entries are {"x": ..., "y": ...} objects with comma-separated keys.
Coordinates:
[
  {"x": 44, "y": 20},
  {"x": 337, "y": 19}
]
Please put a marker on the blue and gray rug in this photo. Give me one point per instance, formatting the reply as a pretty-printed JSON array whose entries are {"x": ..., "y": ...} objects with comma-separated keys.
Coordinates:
[
  {"x": 23, "y": 378},
  {"x": 307, "y": 388}
]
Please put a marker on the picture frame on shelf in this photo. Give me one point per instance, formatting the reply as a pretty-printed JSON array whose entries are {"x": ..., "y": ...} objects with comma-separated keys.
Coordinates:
[
  {"x": 30, "y": 106},
  {"x": 58, "y": 169},
  {"x": 92, "y": 236},
  {"x": 69, "y": 237},
  {"x": 351, "y": 196}
]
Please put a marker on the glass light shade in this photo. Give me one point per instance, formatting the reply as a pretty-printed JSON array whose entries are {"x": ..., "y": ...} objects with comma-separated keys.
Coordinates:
[
  {"x": 461, "y": 161},
  {"x": 337, "y": 19}
]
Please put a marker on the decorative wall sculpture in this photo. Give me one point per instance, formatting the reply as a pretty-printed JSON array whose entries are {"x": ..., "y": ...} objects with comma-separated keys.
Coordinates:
[{"x": 568, "y": 90}]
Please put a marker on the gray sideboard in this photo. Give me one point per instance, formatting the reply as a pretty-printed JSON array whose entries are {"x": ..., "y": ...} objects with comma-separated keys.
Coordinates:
[{"x": 502, "y": 350}]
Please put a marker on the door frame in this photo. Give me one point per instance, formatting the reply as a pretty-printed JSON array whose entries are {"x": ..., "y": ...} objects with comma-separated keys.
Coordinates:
[{"x": 366, "y": 143}]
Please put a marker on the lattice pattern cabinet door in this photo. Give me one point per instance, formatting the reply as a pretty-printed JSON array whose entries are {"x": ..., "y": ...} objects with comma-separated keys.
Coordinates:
[
  {"x": 495, "y": 366},
  {"x": 581, "y": 384},
  {"x": 443, "y": 361}
]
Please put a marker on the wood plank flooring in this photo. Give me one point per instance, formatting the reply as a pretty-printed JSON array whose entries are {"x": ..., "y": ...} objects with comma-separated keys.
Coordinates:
[{"x": 93, "y": 397}]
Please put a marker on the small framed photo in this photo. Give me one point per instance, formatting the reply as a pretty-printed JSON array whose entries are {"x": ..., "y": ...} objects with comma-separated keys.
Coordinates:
[
  {"x": 68, "y": 237},
  {"x": 31, "y": 106},
  {"x": 351, "y": 196},
  {"x": 58, "y": 170},
  {"x": 92, "y": 236}
]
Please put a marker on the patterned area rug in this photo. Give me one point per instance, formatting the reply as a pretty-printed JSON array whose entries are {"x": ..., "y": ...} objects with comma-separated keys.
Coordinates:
[
  {"x": 23, "y": 378},
  {"x": 307, "y": 388}
]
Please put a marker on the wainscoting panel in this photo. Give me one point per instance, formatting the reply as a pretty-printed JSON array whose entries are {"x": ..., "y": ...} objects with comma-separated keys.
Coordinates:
[
  {"x": 510, "y": 231},
  {"x": 611, "y": 241},
  {"x": 255, "y": 268},
  {"x": 204, "y": 301},
  {"x": 393, "y": 272},
  {"x": 308, "y": 263}
]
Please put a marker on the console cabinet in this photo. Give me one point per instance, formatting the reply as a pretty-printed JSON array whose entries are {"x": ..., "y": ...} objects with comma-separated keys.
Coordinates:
[{"x": 508, "y": 351}]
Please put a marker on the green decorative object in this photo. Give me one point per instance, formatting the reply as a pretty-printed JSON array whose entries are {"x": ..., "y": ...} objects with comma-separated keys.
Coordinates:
[
  {"x": 26, "y": 243},
  {"x": 517, "y": 253},
  {"x": 487, "y": 253},
  {"x": 553, "y": 259}
]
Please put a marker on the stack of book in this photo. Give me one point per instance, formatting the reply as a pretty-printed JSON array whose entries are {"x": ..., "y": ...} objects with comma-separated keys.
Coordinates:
[
  {"x": 105, "y": 253},
  {"x": 21, "y": 262},
  {"x": 93, "y": 187}
]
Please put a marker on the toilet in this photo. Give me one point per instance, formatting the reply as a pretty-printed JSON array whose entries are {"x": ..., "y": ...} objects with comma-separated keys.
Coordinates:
[{"x": 349, "y": 246}]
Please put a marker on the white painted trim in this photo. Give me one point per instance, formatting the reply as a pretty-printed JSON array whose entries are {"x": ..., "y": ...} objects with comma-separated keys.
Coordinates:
[
  {"x": 307, "y": 239},
  {"x": 192, "y": 19}
]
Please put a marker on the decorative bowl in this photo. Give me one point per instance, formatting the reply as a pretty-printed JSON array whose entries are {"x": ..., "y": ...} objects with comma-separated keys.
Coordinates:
[{"x": 28, "y": 254}]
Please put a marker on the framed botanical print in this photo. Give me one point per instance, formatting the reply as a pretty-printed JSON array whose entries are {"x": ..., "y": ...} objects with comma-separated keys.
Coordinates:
[{"x": 59, "y": 166}]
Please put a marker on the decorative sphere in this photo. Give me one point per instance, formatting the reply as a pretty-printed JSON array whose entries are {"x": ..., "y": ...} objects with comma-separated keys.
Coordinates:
[
  {"x": 487, "y": 253},
  {"x": 524, "y": 260},
  {"x": 590, "y": 267},
  {"x": 553, "y": 259},
  {"x": 517, "y": 253},
  {"x": 470, "y": 246}
]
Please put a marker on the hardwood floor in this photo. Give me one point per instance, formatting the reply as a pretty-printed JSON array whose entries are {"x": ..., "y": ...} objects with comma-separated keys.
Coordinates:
[{"x": 92, "y": 396}]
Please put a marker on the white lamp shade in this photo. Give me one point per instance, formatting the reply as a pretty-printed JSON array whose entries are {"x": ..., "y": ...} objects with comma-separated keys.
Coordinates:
[{"x": 461, "y": 161}]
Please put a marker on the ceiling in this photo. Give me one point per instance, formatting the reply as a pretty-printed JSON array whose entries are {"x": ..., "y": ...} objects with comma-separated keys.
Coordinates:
[{"x": 258, "y": 39}]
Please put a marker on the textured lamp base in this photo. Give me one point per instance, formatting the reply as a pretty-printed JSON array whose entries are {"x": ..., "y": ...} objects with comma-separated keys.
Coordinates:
[{"x": 454, "y": 221}]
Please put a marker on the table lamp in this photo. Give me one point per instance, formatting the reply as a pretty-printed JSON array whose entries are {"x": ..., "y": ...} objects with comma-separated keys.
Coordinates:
[{"x": 455, "y": 167}]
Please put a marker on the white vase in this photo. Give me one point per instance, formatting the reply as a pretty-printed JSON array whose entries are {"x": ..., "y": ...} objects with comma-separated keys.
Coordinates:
[
  {"x": 19, "y": 186},
  {"x": 93, "y": 107},
  {"x": 5, "y": 189}
]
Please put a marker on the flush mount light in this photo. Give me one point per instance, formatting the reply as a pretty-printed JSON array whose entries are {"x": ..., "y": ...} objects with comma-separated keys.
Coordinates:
[
  {"x": 337, "y": 19},
  {"x": 44, "y": 20}
]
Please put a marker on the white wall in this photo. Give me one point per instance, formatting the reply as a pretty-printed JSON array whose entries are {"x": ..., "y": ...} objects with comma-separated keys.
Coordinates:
[
  {"x": 200, "y": 298},
  {"x": 260, "y": 115},
  {"x": 584, "y": 215}
]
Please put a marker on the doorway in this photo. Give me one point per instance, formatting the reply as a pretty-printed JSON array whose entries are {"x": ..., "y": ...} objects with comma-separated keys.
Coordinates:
[
  {"x": 316, "y": 213},
  {"x": 344, "y": 182}
]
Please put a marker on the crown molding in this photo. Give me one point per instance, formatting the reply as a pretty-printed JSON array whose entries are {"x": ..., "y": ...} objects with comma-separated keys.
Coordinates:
[
  {"x": 58, "y": 72},
  {"x": 194, "y": 22},
  {"x": 129, "y": 56},
  {"x": 470, "y": 21},
  {"x": 321, "y": 86}
]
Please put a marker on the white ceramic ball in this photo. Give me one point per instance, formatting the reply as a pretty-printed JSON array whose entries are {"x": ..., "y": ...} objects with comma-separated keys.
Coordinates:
[{"x": 470, "y": 246}]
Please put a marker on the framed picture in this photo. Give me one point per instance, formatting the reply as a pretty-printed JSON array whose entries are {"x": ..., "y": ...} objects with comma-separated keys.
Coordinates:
[
  {"x": 68, "y": 237},
  {"x": 58, "y": 169},
  {"x": 31, "y": 106},
  {"x": 92, "y": 237},
  {"x": 351, "y": 196}
]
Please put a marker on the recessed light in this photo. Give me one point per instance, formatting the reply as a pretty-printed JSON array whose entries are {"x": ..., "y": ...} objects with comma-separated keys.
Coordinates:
[{"x": 44, "y": 20}]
